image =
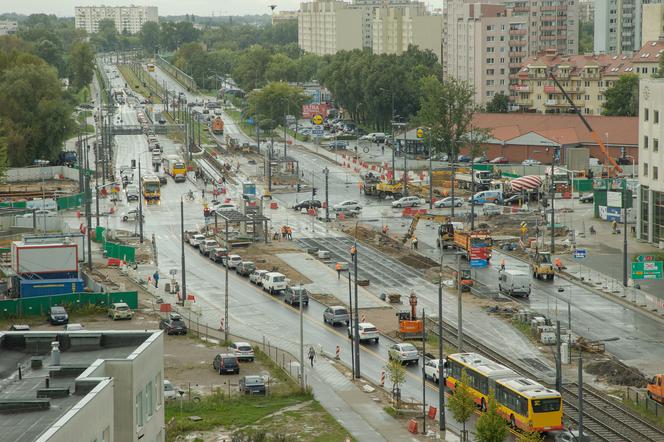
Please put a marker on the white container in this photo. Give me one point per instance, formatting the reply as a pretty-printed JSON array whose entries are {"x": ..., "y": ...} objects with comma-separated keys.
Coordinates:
[{"x": 44, "y": 258}]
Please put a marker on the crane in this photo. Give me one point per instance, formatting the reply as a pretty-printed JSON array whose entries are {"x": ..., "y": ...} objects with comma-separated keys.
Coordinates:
[{"x": 593, "y": 134}]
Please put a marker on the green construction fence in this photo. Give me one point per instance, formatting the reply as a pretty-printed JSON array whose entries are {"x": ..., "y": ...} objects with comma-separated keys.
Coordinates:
[
  {"x": 38, "y": 306},
  {"x": 114, "y": 250}
]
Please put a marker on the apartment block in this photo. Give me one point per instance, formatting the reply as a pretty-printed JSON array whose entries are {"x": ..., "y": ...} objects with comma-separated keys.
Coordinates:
[
  {"x": 127, "y": 18},
  {"x": 646, "y": 60},
  {"x": 619, "y": 25},
  {"x": 397, "y": 27},
  {"x": 652, "y": 28},
  {"x": 328, "y": 26},
  {"x": 650, "y": 195},
  {"x": 586, "y": 10},
  {"x": 8, "y": 27}
]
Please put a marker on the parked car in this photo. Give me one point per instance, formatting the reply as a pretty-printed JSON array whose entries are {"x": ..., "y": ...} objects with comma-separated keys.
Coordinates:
[
  {"x": 439, "y": 157},
  {"x": 222, "y": 207},
  {"x": 531, "y": 162},
  {"x": 132, "y": 193},
  {"x": 57, "y": 315},
  {"x": 336, "y": 314},
  {"x": 245, "y": 268},
  {"x": 132, "y": 215},
  {"x": 292, "y": 295},
  {"x": 256, "y": 277},
  {"x": 432, "y": 369},
  {"x": 347, "y": 206},
  {"x": 338, "y": 145},
  {"x": 206, "y": 246},
  {"x": 308, "y": 204},
  {"x": 74, "y": 327},
  {"x": 218, "y": 254},
  {"x": 587, "y": 198},
  {"x": 449, "y": 202},
  {"x": 368, "y": 332},
  {"x": 120, "y": 310},
  {"x": 170, "y": 392},
  {"x": 274, "y": 282},
  {"x": 226, "y": 363},
  {"x": 514, "y": 199},
  {"x": 252, "y": 385},
  {"x": 463, "y": 159},
  {"x": 19, "y": 327},
  {"x": 481, "y": 159},
  {"x": 407, "y": 201},
  {"x": 173, "y": 325},
  {"x": 514, "y": 283},
  {"x": 232, "y": 261},
  {"x": 499, "y": 160},
  {"x": 196, "y": 239},
  {"x": 404, "y": 353},
  {"x": 489, "y": 209},
  {"x": 242, "y": 350}
]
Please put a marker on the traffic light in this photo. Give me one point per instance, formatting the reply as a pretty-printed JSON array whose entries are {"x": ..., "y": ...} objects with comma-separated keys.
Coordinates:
[
  {"x": 299, "y": 187},
  {"x": 314, "y": 191}
]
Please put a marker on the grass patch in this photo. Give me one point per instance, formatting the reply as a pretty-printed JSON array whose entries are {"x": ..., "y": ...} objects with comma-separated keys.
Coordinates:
[
  {"x": 137, "y": 84},
  {"x": 649, "y": 414},
  {"x": 391, "y": 411},
  {"x": 522, "y": 327}
]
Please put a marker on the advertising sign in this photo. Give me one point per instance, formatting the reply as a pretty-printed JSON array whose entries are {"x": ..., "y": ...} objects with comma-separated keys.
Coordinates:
[{"x": 309, "y": 110}]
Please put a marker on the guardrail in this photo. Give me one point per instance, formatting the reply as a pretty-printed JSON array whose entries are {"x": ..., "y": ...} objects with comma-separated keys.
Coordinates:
[{"x": 185, "y": 80}]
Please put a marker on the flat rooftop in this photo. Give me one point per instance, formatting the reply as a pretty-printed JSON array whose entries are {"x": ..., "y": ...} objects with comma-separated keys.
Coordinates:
[{"x": 24, "y": 416}]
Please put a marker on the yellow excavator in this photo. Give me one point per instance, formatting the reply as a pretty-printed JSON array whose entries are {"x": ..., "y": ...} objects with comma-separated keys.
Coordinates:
[{"x": 445, "y": 230}]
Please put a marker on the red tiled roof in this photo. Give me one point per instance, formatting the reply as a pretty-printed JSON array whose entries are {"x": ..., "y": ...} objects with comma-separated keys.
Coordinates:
[
  {"x": 650, "y": 52},
  {"x": 565, "y": 129},
  {"x": 610, "y": 65}
]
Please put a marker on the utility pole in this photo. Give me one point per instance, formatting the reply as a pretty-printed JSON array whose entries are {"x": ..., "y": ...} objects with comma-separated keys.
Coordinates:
[
  {"x": 356, "y": 333},
  {"x": 430, "y": 172},
  {"x": 441, "y": 383},
  {"x": 459, "y": 304},
  {"x": 140, "y": 203},
  {"x": 326, "y": 171},
  {"x": 405, "y": 159},
  {"x": 350, "y": 320},
  {"x": 301, "y": 344},
  {"x": 472, "y": 192},
  {"x": 97, "y": 203},
  {"x": 226, "y": 288},
  {"x": 269, "y": 168},
  {"x": 88, "y": 215},
  {"x": 624, "y": 204},
  {"x": 424, "y": 375},
  {"x": 184, "y": 273},
  {"x": 472, "y": 202},
  {"x": 580, "y": 382},
  {"x": 553, "y": 196},
  {"x": 559, "y": 374}
]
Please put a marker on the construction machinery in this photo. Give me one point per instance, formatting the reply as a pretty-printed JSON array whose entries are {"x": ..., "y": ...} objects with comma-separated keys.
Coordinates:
[
  {"x": 656, "y": 388},
  {"x": 616, "y": 167},
  {"x": 410, "y": 327},
  {"x": 370, "y": 183},
  {"x": 476, "y": 244},
  {"x": 444, "y": 221},
  {"x": 217, "y": 126},
  {"x": 463, "y": 178},
  {"x": 465, "y": 279},
  {"x": 541, "y": 266}
]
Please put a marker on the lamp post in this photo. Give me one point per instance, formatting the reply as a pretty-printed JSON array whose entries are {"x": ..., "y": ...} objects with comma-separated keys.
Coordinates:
[
  {"x": 356, "y": 325},
  {"x": 41, "y": 164}
]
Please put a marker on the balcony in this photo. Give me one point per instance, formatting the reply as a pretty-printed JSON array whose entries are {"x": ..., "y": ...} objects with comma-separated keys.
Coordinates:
[
  {"x": 551, "y": 90},
  {"x": 515, "y": 65},
  {"x": 517, "y": 42},
  {"x": 521, "y": 9},
  {"x": 517, "y": 54},
  {"x": 549, "y": 37},
  {"x": 520, "y": 87},
  {"x": 518, "y": 31},
  {"x": 549, "y": 8}
]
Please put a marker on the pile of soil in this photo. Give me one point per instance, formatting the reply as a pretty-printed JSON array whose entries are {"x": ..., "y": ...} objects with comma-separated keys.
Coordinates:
[{"x": 615, "y": 372}]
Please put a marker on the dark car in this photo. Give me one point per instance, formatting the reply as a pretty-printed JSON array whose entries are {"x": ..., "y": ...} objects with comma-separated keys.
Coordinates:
[
  {"x": 514, "y": 199},
  {"x": 587, "y": 199},
  {"x": 292, "y": 295},
  {"x": 308, "y": 204},
  {"x": 226, "y": 363},
  {"x": 218, "y": 254},
  {"x": 463, "y": 159},
  {"x": 252, "y": 385},
  {"x": 163, "y": 180},
  {"x": 173, "y": 325},
  {"x": 57, "y": 315},
  {"x": 334, "y": 145},
  {"x": 499, "y": 160},
  {"x": 245, "y": 268}
]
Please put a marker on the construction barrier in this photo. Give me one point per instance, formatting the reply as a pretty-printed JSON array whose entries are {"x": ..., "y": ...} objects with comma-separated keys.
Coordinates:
[
  {"x": 39, "y": 305},
  {"x": 382, "y": 378},
  {"x": 412, "y": 426},
  {"x": 432, "y": 412},
  {"x": 337, "y": 353}
]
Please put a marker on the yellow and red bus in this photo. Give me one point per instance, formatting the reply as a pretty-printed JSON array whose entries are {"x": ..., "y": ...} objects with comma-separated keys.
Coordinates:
[
  {"x": 523, "y": 402},
  {"x": 151, "y": 188}
]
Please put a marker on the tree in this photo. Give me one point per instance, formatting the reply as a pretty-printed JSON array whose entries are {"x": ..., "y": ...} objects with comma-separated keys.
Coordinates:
[
  {"x": 498, "y": 104},
  {"x": 461, "y": 403},
  {"x": 275, "y": 101},
  {"x": 660, "y": 68},
  {"x": 397, "y": 375},
  {"x": 586, "y": 33},
  {"x": 150, "y": 36},
  {"x": 106, "y": 38},
  {"x": 81, "y": 65},
  {"x": 530, "y": 436},
  {"x": 491, "y": 427},
  {"x": 622, "y": 99},
  {"x": 251, "y": 65},
  {"x": 281, "y": 68}
]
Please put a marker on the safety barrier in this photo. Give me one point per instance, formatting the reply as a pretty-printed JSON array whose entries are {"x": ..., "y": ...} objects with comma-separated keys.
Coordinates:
[{"x": 38, "y": 306}]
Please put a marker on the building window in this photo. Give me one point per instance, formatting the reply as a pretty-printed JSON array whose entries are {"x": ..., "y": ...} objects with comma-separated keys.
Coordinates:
[
  {"x": 489, "y": 60},
  {"x": 489, "y": 82},
  {"x": 655, "y": 172},
  {"x": 490, "y": 28},
  {"x": 655, "y": 117},
  {"x": 645, "y": 169},
  {"x": 644, "y": 70},
  {"x": 655, "y": 144},
  {"x": 139, "y": 409},
  {"x": 645, "y": 141},
  {"x": 645, "y": 114},
  {"x": 489, "y": 49},
  {"x": 490, "y": 38}
]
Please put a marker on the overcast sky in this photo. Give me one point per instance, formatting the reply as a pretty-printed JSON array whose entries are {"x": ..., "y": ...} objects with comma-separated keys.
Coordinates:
[{"x": 64, "y": 8}]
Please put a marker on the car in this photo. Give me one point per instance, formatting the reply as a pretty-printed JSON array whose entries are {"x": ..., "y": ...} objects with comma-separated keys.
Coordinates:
[
  {"x": 256, "y": 276},
  {"x": 336, "y": 314},
  {"x": 132, "y": 215},
  {"x": 404, "y": 353},
  {"x": 19, "y": 327},
  {"x": 222, "y": 207},
  {"x": 347, "y": 206},
  {"x": 245, "y": 268},
  {"x": 162, "y": 179},
  {"x": 463, "y": 159},
  {"x": 375, "y": 137},
  {"x": 432, "y": 369},
  {"x": 308, "y": 204},
  {"x": 407, "y": 201},
  {"x": 206, "y": 246},
  {"x": 337, "y": 145},
  {"x": 274, "y": 282},
  {"x": 368, "y": 332},
  {"x": 162, "y": 120},
  {"x": 170, "y": 392},
  {"x": 448, "y": 202},
  {"x": 587, "y": 199},
  {"x": 530, "y": 162},
  {"x": 120, "y": 310},
  {"x": 499, "y": 160},
  {"x": 252, "y": 385},
  {"x": 132, "y": 193},
  {"x": 571, "y": 436},
  {"x": 232, "y": 261},
  {"x": 292, "y": 295},
  {"x": 226, "y": 363},
  {"x": 74, "y": 327},
  {"x": 196, "y": 240},
  {"x": 514, "y": 199},
  {"x": 57, "y": 315},
  {"x": 218, "y": 254},
  {"x": 489, "y": 209},
  {"x": 173, "y": 325},
  {"x": 481, "y": 159},
  {"x": 242, "y": 350}
]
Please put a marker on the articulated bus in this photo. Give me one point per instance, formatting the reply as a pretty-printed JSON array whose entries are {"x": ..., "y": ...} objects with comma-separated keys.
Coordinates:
[
  {"x": 151, "y": 188},
  {"x": 524, "y": 403},
  {"x": 150, "y": 66}
]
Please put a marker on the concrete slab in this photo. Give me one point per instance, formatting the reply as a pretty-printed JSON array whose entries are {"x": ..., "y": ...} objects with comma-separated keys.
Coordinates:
[{"x": 326, "y": 280}]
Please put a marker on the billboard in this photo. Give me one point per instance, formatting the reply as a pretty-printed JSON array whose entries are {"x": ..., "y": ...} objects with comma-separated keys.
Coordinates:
[
  {"x": 614, "y": 199},
  {"x": 309, "y": 110}
]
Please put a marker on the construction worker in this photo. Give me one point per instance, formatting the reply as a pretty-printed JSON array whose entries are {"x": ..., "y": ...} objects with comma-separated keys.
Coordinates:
[
  {"x": 559, "y": 264},
  {"x": 614, "y": 226},
  {"x": 414, "y": 242},
  {"x": 385, "y": 229},
  {"x": 284, "y": 232},
  {"x": 289, "y": 232},
  {"x": 338, "y": 267}
]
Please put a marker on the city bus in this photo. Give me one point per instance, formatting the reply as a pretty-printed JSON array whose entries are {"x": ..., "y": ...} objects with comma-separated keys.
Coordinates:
[
  {"x": 150, "y": 66},
  {"x": 151, "y": 188},
  {"x": 524, "y": 403}
]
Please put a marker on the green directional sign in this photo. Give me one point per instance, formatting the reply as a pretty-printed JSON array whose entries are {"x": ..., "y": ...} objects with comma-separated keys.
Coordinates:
[{"x": 647, "y": 270}]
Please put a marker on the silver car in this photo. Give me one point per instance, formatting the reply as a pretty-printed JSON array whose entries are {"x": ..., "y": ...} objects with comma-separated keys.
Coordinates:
[
  {"x": 336, "y": 314},
  {"x": 404, "y": 353}
]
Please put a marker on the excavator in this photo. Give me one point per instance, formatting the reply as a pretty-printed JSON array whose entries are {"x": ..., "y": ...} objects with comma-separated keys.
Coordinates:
[
  {"x": 445, "y": 230},
  {"x": 617, "y": 170}
]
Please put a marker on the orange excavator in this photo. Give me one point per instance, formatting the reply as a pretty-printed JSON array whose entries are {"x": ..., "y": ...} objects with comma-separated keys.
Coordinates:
[
  {"x": 410, "y": 326},
  {"x": 616, "y": 167}
]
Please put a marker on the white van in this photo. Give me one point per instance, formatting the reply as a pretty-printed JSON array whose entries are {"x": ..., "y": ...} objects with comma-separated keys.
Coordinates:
[
  {"x": 514, "y": 283},
  {"x": 487, "y": 196},
  {"x": 274, "y": 282}
]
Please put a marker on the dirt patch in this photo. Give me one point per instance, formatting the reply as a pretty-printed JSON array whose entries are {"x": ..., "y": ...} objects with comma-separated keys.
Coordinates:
[
  {"x": 615, "y": 372},
  {"x": 384, "y": 318},
  {"x": 264, "y": 256},
  {"x": 327, "y": 299}
]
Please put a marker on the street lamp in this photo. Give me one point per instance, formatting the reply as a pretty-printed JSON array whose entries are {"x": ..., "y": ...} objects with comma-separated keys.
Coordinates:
[{"x": 41, "y": 164}]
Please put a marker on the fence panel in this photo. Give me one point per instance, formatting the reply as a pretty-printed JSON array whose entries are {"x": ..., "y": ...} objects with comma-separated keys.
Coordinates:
[
  {"x": 38, "y": 306},
  {"x": 71, "y": 201}
]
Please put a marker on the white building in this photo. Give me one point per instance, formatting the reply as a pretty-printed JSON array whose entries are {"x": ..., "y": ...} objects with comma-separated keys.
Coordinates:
[
  {"x": 127, "y": 18},
  {"x": 618, "y": 25},
  {"x": 328, "y": 26},
  {"x": 652, "y": 28},
  {"x": 103, "y": 386},
  {"x": 8, "y": 27},
  {"x": 395, "y": 27},
  {"x": 650, "y": 197}
]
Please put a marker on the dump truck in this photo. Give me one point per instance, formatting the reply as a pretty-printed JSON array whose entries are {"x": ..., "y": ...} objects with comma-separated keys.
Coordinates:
[
  {"x": 217, "y": 126},
  {"x": 463, "y": 178},
  {"x": 541, "y": 266},
  {"x": 656, "y": 388},
  {"x": 475, "y": 244}
]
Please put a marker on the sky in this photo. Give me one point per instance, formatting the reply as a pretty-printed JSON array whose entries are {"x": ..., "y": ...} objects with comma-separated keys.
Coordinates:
[{"x": 65, "y": 8}]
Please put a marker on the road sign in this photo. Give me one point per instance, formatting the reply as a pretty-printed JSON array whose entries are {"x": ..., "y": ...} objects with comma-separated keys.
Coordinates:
[
  {"x": 317, "y": 131},
  {"x": 580, "y": 253},
  {"x": 644, "y": 258},
  {"x": 647, "y": 270},
  {"x": 524, "y": 227},
  {"x": 317, "y": 119},
  {"x": 420, "y": 133},
  {"x": 477, "y": 263}
]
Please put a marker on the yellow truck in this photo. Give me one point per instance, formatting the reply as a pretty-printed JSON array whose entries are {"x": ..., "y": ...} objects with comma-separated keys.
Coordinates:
[
  {"x": 175, "y": 167},
  {"x": 541, "y": 266}
]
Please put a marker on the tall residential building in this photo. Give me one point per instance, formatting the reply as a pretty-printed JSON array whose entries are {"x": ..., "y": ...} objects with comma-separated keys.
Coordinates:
[
  {"x": 650, "y": 196},
  {"x": 8, "y": 27},
  {"x": 619, "y": 23},
  {"x": 284, "y": 16},
  {"x": 397, "y": 27},
  {"x": 328, "y": 26},
  {"x": 127, "y": 18},
  {"x": 586, "y": 10},
  {"x": 652, "y": 28}
]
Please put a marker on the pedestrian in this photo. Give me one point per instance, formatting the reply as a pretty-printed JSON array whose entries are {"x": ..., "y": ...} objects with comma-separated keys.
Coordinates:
[
  {"x": 338, "y": 267},
  {"x": 289, "y": 231},
  {"x": 312, "y": 355},
  {"x": 382, "y": 149},
  {"x": 502, "y": 265},
  {"x": 559, "y": 264},
  {"x": 284, "y": 233},
  {"x": 203, "y": 192},
  {"x": 385, "y": 229},
  {"x": 614, "y": 226},
  {"x": 155, "y": 276},
  {"x": 414, "y": 242}
]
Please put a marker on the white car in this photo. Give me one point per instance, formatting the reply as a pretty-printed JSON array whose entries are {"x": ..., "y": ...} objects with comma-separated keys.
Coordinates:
[
  {"x": 448, "y": 202},
  {"x": 492, "y": 209},
  {"x": 530, "y": 162},
  {"x": 223, "y": 207},
  {"x": 233, "y": 260},
  {"x": 347, "y": 206},
  {"x": 74, "y": 327},
  {"x": 256, "y": 276},
  {"x": 242, "y": 351},
  {"x": 404, "y": 353},
  {"x": 41, "y": 213},
  {"x": 432, "y": 370},
  {"x": 368, "y": 332},
  {"x": 407, "y": 201},
  {"x": 196, "y": 240},
  {"x": 170, "y": 393}
]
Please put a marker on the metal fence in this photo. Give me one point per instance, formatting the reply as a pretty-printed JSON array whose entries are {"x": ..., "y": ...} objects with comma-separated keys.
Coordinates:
[
  {"x": 640, "y": 398},
  {"x": 184, "y": 79},
  {"x": 38, "y": 306}
]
